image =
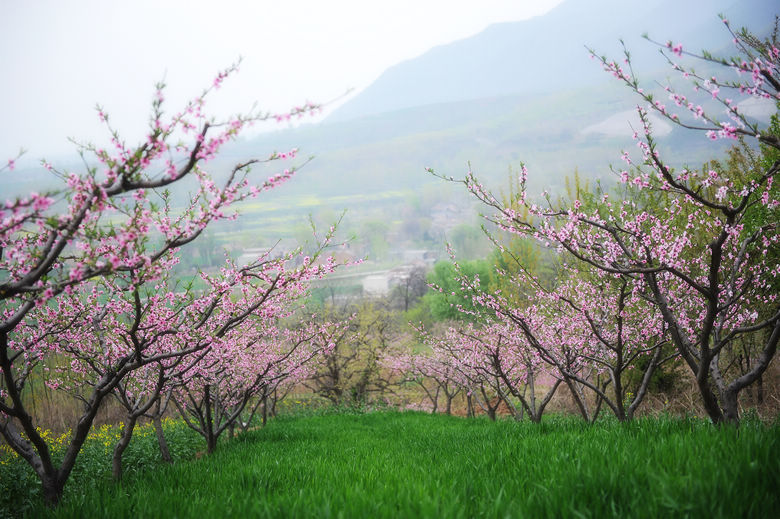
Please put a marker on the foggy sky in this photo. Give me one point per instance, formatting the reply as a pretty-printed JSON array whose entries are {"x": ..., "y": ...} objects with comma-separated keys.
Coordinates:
[{"x": 61, "y": 58}]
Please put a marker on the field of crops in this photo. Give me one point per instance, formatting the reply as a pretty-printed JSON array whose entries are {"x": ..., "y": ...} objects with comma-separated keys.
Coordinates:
[{"x": 393, "y": 464}]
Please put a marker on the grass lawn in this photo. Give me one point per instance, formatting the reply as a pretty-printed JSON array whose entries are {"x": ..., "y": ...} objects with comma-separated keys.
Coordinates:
[{"x": 416, "y": 465}]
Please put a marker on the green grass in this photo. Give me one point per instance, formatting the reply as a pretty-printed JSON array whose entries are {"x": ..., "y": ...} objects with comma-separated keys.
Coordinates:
[
  {"x": 20, "y": 489},
  {"x": 416, "y": 465}
]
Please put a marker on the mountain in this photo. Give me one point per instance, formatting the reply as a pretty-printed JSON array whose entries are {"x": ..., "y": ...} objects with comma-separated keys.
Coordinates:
[
  {"x": 547, "y": 53},
  {"x": 517, "y": 92}
]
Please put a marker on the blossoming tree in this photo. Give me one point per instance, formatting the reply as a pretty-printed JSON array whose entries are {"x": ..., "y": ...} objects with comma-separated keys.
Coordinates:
[
  {"x": 114, "y": 223},
  {"x": 702, "y": 259},
  {"x": 212, "y": 395}
]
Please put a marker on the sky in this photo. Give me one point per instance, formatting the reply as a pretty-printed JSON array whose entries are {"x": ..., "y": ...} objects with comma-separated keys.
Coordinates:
[{"x": 59, "y": 59}]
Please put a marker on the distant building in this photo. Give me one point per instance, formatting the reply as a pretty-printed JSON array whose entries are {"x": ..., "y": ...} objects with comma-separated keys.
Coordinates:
[
  {"x": 253, "y": 254},
  {"x": 376, "y": 284},
  {"x": 417, "y": 256}
]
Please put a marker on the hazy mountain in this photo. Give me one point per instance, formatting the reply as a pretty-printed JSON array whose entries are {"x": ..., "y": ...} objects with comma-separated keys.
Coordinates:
[
  {"x": 522, "y": 91},
  {"x": 547, "y": 53},
  {"x": 517, "y": 92}
]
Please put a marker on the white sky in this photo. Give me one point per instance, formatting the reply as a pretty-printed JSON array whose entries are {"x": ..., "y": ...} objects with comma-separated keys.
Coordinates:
[{"x": 60, "y": 58}]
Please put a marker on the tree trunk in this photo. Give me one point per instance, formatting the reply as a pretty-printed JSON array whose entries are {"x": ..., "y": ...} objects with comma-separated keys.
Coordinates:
[
  {"x": 434, "y": 398},
  {"x": 731, "y": 406},
  {"x": 521, "y": 397},
  {"x": 165, "y": 453},
  {"x": 124, "y": 441},
  {"x": 52, "y": 490},
  {"x": 619, "y": 391},
  {"x": 274, "y": 399},
  {"x": 211, "y": 444},
  {"x": 211, "y": 440},
  {"x": 709, "y": 399},
  {"x": 600, "y": 399},
  {"x": 578, "y": 399}
]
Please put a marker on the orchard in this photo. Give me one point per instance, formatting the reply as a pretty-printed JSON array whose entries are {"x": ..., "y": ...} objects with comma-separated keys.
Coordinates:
[
  {"x": 686, "y": 256},
  {"x": 86, "y": 291},
  {"x": 562, "y": 337}
]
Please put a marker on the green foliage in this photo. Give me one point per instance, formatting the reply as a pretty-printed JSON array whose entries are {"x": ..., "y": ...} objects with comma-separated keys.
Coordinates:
[
  {"x": 469, "y": 241},
  {"x": 319, "y": 297},
  {"x": 770, "y": 155},
  {"x": 444, "y": 304},
  {"x": 667, "y": 378},
  {"x": 351, "y": 373},
  {"x": 374, "y": 232},
  {"x": 758, "y": 214},
  {"x": 417, "y": 465},
  {"x": 528, "y": 256},
  {"x": 420, "y": 313},
  {"x": 744, "y": 164}
]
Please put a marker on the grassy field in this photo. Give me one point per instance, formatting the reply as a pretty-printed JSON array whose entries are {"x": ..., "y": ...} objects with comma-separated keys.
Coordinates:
[
  {"x": 417, "y": 465},
  {"x": 20, "y": 488}
]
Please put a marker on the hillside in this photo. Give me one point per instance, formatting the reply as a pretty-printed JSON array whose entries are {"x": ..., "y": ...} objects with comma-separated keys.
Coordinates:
[{"x": 547, "y": 53}]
